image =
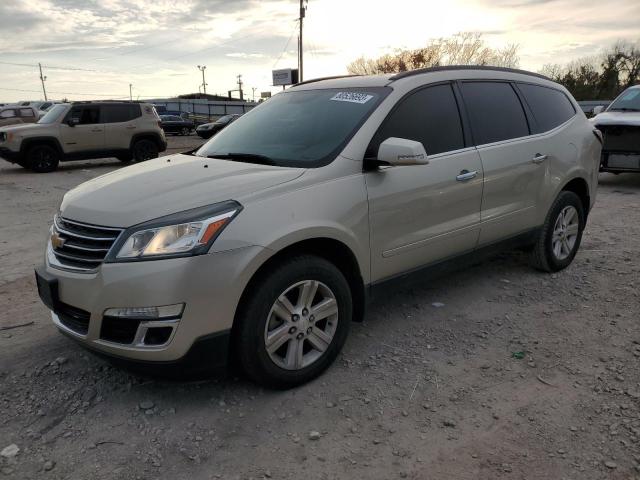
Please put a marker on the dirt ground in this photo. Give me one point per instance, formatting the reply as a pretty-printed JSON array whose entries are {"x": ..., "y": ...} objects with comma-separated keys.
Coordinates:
[{"x": 421, "y": 391}]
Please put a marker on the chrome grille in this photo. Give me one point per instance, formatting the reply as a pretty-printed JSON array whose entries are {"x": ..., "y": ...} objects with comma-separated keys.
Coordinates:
[{"x": 80, "y": 246}]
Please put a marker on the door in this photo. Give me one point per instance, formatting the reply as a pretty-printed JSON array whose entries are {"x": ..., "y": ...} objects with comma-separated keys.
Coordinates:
[
  {"x": 87, "y": 134},
  {"x": 419, "y": 215},
  {"x": 514, "y": 162},
  {"x": 120, "y": 124}
]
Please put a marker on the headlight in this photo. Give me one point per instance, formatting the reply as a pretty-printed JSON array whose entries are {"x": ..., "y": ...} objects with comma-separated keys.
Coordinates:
[{"x": 182, "y": 234}]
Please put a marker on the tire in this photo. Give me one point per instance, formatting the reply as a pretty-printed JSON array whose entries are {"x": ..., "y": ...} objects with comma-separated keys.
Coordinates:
[
  {"x": 283, "y": 368},
  {"x": 42, "y": 158},
  {"x": 185, "y": 131},
  {"x": 144, "y": 149},
  {"x": 561, "y": 234}
]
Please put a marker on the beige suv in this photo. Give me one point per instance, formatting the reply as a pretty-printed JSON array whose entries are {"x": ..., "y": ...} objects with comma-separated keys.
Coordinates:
[
  {"x": 264, "y": 244},
  {"x": 85, "y": 130}
]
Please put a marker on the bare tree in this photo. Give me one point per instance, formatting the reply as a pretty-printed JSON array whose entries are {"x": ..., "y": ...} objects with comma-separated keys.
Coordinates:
[
  {"x": 465, "y": 48},
  {"x": 600, "y": 77}
]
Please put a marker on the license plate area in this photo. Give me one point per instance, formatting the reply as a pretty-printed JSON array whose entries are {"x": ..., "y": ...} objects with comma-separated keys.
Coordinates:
[{"x": 617, "y": 160}]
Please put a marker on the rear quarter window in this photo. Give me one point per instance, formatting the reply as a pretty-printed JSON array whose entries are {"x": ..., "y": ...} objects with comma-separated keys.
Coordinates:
[
  {"x": 120, "y": 113},
  {"x": 495, "y": 112},
  {"x": 549, "y": 107}
]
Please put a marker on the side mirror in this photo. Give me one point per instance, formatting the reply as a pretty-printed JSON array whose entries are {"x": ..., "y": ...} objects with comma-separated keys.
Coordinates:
[
  {"x": 598, "y": 109},
  {"x": 72, "y": 122},
  {"x": 400, "y": 151}
]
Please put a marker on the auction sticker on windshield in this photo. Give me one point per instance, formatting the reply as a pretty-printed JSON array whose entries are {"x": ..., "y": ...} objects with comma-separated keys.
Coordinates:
[{"x": 353, "y": 97}]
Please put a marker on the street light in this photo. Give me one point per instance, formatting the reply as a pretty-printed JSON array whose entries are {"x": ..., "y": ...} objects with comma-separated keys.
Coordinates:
[{"x": 204, "y": 83}]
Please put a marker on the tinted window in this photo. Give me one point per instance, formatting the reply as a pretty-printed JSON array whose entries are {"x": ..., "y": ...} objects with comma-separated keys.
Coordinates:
[
  {"x": 429, "y": 116},
  {"x": 120, "y": 113},
  {"x": 495, "y": 112},
  {"x": 550, "y": 107},
  {"x": 26, "y": 112},
  {"x": 86, "y": 115},
  {"x": 7, "y": 114}
]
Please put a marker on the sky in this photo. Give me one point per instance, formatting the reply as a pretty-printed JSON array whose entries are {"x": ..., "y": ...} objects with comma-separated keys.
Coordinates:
[{"x": 96, "y": 48}]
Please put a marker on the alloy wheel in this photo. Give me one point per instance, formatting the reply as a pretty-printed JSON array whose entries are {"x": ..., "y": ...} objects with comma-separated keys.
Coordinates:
[
  {"x": 565, "y": 232},
  {"x": 301, "y": 325}
]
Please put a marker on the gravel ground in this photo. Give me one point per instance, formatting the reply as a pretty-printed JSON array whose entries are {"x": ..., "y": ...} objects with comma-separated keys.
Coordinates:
[{"x": 497, "y": 371}]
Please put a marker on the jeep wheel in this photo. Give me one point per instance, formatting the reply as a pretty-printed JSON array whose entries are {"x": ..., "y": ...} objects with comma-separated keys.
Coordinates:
[
  {"x": 185, "y": 131},
  {"x": 561, "y": 234},
  {"x": 144, "y": 149},
  {"x": 294, "y": 322},
  {"x": 42, "y": 158}
]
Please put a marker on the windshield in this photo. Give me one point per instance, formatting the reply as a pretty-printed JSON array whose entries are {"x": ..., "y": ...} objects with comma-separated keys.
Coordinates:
[
  {"x": 53, "y": 114},
  {"x": 297, "y": 128},
  {"x": 629, "y": 101}
]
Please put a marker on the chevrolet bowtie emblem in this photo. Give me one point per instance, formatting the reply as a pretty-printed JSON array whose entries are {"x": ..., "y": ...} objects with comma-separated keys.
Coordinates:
[{"x": 57, "y": 241}]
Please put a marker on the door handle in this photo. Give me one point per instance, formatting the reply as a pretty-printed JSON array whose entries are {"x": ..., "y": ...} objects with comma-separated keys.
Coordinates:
[
  {"x": 465, "y": 175},
  {"x": 130, "y": 127},
  {"x": 96, "y": 130},
  {"x": 538, "y": 158}
]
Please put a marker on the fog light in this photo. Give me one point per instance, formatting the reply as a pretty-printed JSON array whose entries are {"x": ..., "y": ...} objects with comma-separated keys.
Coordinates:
[{"x": 166, "y": 312}]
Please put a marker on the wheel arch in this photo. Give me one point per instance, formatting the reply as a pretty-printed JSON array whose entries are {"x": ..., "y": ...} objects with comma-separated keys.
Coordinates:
[
  {"x": 27, "y": 143},
  {"x": 155, "y": 137},
  {"x": 330, "y": 249},
  {"x": 580, "y": 187}
]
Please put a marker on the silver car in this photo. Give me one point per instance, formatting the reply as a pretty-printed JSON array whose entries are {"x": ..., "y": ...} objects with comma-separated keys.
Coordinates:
[{"x": 266, "y": 243}]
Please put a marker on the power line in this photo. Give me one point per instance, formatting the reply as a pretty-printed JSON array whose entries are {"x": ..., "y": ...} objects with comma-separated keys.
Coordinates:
[
  {"x": 295, "y": 27},
  {"x": 52, "y": 67}
]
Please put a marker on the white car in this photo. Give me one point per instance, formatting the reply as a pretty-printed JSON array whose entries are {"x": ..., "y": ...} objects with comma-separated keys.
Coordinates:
[{"x": 620, "y": 125}]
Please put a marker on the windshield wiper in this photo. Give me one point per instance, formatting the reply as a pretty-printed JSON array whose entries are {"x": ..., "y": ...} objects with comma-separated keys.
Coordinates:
[
  {"x": 244, "y": 157},
  {"x": 624, "y": 109}
]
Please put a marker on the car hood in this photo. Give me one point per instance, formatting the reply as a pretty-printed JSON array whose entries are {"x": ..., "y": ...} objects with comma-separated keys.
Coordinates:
[
  {"x": 167, "y": 185},
  {"x": 22, "y": 126},
  {"x": 617, "y": 118}
]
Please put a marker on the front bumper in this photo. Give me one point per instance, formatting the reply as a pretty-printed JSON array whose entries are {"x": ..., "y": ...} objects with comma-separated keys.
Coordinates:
[
  {"x": 209, "y": 285},
  {"x": 10, "y": 155}
]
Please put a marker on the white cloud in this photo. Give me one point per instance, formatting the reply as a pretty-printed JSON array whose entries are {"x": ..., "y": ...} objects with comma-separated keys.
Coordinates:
[{"x": 156, "y": 44}]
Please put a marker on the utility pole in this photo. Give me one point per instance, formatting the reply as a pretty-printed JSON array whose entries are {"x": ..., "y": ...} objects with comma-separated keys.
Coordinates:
[
  {"x": 253, "y": 94},
  {"x": 303, "y": 10},
  {"x": 42, "y": 79},
  {"x": 240, "y": 86},
  {"x": 130, "y": 94},
  {"x": 204, "y": 83}
]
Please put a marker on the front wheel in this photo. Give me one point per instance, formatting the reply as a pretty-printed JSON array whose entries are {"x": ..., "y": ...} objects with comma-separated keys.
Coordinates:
[
  {"x": 185, "y": 131},
  {"x": 42, "y": 158},
  {"x": 294, "y": 322},
  {"x": 561, "y": 234},
  {"x": 144, "y": 149}
]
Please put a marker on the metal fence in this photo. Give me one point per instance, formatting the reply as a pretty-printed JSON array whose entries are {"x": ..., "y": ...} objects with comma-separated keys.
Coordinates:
[{"x": 204, "y": 110}]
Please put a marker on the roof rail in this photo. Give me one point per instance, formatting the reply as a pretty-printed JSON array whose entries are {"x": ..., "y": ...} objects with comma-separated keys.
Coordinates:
[
  {"x": 419, "y": 71},
  {"x": 313, "y": 80}
]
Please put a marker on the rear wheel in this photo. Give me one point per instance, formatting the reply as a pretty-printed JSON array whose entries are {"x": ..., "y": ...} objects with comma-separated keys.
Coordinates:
[
  {"x": 185, "y": 131},
  {"x": 561, "y": 234},
  {"x": 144, "y": 149},
  {"x": 294, "y": 323},
  {"x": 42, "y": 158}
]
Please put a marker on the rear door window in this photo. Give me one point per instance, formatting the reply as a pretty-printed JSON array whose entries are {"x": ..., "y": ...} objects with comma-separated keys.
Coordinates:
[
  {"x": 26, "y": 112},
  {"x": 7, "y": 114},
  {"x": 495, "y": 112},
  {"x": 430, "y": 116},
  {"x": 550, "y": 107}
]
